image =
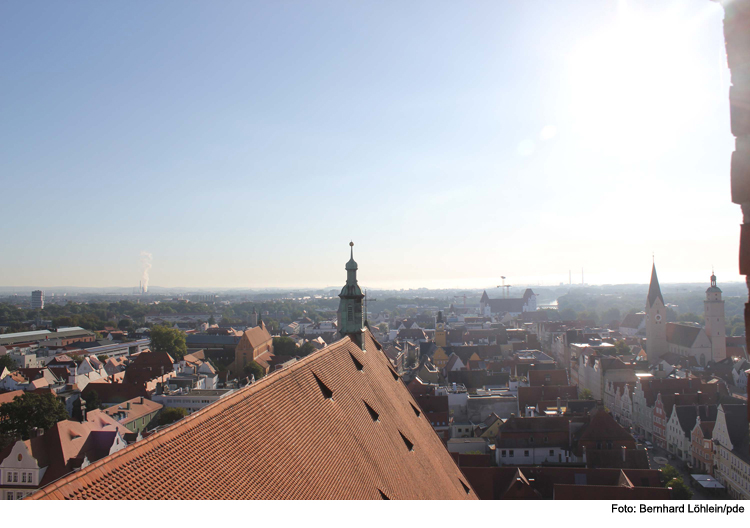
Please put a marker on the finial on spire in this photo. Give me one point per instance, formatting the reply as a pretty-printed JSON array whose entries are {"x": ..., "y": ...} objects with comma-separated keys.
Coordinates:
[{"x": 653, "y": 258}]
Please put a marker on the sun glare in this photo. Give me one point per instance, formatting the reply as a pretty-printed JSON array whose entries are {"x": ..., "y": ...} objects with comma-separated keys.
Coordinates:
[{"x": 634, "y": 81}]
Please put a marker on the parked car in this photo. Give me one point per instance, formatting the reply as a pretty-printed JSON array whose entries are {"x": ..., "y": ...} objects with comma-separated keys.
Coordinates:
[{"x": 648, "y": 445}]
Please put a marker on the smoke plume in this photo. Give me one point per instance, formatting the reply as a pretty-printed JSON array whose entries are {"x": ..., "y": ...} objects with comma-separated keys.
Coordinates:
[{"x": 146, "y": 259}]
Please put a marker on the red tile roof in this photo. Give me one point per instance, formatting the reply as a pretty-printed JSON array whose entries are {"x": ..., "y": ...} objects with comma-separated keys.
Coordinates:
[
  {"x": 283, "y": 438},
  {"x": 8, "y": 397},
  {"x": 548, "y": 377}
]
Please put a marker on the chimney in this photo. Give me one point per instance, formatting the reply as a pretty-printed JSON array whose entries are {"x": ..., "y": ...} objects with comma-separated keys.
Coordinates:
[
  {"x": 127, "y": 406},
  {"x": 559, "y": 410},
  {"x": 623, "y": 453},
  {"x": 141, "y": 402}
]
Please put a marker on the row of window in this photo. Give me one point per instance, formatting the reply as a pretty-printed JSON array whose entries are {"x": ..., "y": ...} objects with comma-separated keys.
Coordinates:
[
  {"x": 13, "y": 476},
  {"x": 16, "y": 495},
  {"x": 511, "y": 453}
]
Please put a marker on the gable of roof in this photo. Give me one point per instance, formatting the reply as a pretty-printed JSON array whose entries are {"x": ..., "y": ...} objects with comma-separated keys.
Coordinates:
[
  {"x": 687, "y": 414},
  {"x": 257, "y": 336},
  {"x": 319, "y": 429}
]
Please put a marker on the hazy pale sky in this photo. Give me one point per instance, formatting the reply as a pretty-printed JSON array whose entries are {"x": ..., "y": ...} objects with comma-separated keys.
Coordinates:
[{"x": 243, "y": 144}]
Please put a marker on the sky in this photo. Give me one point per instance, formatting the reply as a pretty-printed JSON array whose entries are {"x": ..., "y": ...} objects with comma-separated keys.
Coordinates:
[{"x": 245, "y": 143}]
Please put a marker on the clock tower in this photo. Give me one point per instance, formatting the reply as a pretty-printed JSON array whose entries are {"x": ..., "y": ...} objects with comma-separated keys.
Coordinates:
[
  {"x": 713, "y": 312},
  {"x": 350, "y": 315},
  {"x": 656, "y": 320}
]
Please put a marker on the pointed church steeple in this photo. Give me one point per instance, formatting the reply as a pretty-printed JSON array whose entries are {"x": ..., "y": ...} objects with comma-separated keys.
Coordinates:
[
  {"x": 350, "y": 313},
  {"x": 654, "y": 291},
  {"x": 656, "y": 327}
]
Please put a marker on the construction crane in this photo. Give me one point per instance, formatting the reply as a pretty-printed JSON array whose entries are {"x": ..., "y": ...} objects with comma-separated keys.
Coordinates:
[{"x": 506, "y": 288}]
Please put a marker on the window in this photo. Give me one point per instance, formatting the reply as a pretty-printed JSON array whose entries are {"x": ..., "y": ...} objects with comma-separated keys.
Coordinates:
[
  {"x": 9, "y": 495},
  {"x": 10, "y": 477},
  {"x": 15, "y": 477},
  {"x": 551, "y": 452},
  {"x": 503, "y": 453},
  {"x": 526, "y": 453},
  {"x": 19, "y": 495},
  {"x": 23, "y": 477},
  {"x": 511, "y": 453}
]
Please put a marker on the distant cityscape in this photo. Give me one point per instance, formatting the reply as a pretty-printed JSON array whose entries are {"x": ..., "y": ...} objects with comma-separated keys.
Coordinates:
[{"x": 628, "y": 392}]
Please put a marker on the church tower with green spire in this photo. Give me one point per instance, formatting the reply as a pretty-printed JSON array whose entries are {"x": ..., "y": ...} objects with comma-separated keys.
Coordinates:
[{"x": 350, "y": 314}]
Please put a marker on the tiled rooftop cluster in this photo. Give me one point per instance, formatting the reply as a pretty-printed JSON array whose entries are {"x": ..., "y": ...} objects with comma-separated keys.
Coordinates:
[{"x": 338, "y": 424}]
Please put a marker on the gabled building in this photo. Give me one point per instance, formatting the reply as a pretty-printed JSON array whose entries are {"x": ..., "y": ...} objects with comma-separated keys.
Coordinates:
[
  {"x": 513, "y": 307},
  {"x": 256, "y": 344},
  {"x": 28, "y": 465},
  {"x": 136, "y": 414},
  {"x": 702, "y": 447},
  {"x": 680, "y": 427},
  {"x": 732, "y": 450}
]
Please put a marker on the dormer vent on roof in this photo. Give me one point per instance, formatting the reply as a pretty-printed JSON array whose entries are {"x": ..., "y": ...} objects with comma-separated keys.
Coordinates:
[
  {"x": 409, "y": 443},
  {"x": 383, "y": 495},
  {"x": 374, "y": 415},
  {"x": 416, "y": 411},
  {"x": 327, "y": 393},
  {"x": 466, "y": 488},
  {"x": 357, "y": 364}
]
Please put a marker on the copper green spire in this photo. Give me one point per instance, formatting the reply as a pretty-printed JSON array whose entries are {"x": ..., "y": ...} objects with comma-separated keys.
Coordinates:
[{"x": 350, "y": 313}]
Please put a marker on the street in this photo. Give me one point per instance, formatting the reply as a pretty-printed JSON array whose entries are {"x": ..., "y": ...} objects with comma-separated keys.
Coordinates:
[{"x": 698, "y": 492}]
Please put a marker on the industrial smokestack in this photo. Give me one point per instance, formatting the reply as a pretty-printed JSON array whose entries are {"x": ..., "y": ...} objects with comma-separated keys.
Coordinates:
[{"x": 146, "y": 259}]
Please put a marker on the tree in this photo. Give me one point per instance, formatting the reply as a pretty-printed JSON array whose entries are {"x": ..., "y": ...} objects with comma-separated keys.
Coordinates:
[
  {"x": 7, "y": 362},
  {"x": 679, "y": 490},
  {"x": 284, "y": 346},
  {"x": 611, "y": 316},
  {"x": 669, "y": 473},
  {"x": 253, "y": 369},
  {"x": 621, "y": 348},
  {"x": 383, "y": 328},
  {"x": 169, "y": 340},
  {"x": 171, "y": 415},
  {"x": 92, "y": 401},
  {"x": 29, "y": 411},
  {"x": 567, "y": 314},
  {"x": 306, "y": 349},
  {"x": 211, "y": 320},
  {"x": 103, "y": 358},
  {"x": 586, "y": 394}
]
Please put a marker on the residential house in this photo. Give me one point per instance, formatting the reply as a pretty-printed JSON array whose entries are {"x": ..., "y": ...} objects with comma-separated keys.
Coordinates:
[
  {"x": 68, "y": 446},
  {"x": 732, "y": 451},
  {"x": 136, "y": 414},
  {"x": 702, "y": 447},
  {"x": 680, "y": 427}
]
